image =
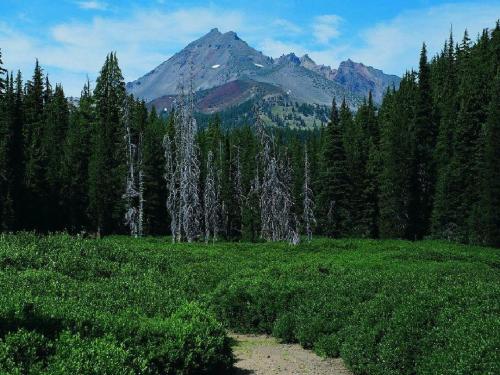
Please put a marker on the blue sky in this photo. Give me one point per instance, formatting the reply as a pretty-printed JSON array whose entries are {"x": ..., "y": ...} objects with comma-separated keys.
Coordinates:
[{"x": 71, "y": 37}]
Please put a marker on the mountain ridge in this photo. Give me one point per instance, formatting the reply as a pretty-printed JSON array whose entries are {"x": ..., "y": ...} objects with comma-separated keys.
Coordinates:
[{"x": 216, "y": 59}]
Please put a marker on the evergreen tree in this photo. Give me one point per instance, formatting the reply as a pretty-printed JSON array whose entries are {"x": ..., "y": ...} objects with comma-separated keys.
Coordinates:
[
  {"x": 35, "y": 158},
  {"x": 372, "y": 170},
  {"x": 231, "y": 209},
  {"x": 17, "y": 160},
  {"x": 333, "y": 180},
  {"x": 56, "y": 127},
  {"x": 6, "y": 105},
  {"x": 365, "y": 169},
  {"x": 397, "y": 116},
  {"x": 465, "y": 163},
  {"x": 106, "y": 167},
  {"x": 155, "y": 190},
  {"x": 356, "y": 148},
  {"x": 491, "y": 174},
  {"x": 246, "y": 143},
  {"x": 75, "y": 164},
  {"x": 445, "y": 88},
  {"x": 425, "y": 135}
]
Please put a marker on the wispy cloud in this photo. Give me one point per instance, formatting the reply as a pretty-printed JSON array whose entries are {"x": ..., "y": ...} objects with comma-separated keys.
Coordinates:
[
  {"x": 394, "y": 45},
  {"x": 144, "y": 38},
  {"x": 276, "y": 48},
  {"x": 287, "y": 26},
  {"x": 92, "y": 5},
  {"x": 326, "y": 27}
]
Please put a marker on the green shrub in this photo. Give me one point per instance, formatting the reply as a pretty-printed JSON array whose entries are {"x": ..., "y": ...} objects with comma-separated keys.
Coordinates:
[
  {"x": 23, "y": 352},
  {"x": 284, "y": 327},
  {"x": 75, "y": 355},
  {"x": 387, "y": 307}
]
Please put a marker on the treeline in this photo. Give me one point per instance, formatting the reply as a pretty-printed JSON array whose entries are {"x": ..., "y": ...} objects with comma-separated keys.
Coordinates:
[
  {"x": 424, "y": 164},
  {"x": 439, "y": 147},
  {"x": 62, "y": 165}
]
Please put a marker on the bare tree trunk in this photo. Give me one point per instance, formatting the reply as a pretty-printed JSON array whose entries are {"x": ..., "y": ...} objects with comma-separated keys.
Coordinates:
[
  {"x": 308, "y": 214},
  {"x": 211, "y": 201},
  {"x": 183, "y": 172},
  {"x": 132, "y": 195},
  {"x": 277, "y": 222}
]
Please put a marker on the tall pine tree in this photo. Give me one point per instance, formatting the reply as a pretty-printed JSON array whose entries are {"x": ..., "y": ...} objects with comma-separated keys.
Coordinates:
[
  {"x": 333, "y": 179},
  {"x": 490, "y": 206},
  {"x": 75, "y": 164},
  {"x": 106, "y": 168},
  {"x": 425, "y": 135}
]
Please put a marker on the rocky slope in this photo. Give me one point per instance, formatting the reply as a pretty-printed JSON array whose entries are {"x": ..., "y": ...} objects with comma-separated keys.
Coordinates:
[{"x": 228, "y": 72}]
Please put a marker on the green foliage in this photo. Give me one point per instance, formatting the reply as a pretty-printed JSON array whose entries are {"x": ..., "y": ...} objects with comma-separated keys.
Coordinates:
[
  {"x": 21, "y": 351},
  {"x": 119, "y": 305},
  {"x": 74, "y": 355},
  {"x": 106, "y": 166},
  {"x": 155, "y": 190},
  {"x": 397, "y": 147},
  {"x": 333, "y": 180}
]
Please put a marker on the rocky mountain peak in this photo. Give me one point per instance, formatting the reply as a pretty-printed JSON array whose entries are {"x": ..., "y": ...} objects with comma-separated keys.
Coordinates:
[
  {"x": 289, "y": 58},
  {"x": 307, "y": 62},
  {"x": 217, "y": 59}
]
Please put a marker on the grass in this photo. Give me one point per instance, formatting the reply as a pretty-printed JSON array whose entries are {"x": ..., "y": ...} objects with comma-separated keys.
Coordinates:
[{"x": 144, "y": 306}]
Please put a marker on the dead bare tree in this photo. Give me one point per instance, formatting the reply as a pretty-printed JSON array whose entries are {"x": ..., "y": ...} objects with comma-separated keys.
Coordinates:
[
  {"x": 211, "y": 201},
  {"x": 308, "y": 202},
  {"x": 183, "y": 172},
  {"x": 134, "y": 187},
  {"x": 276, "y": 202}
]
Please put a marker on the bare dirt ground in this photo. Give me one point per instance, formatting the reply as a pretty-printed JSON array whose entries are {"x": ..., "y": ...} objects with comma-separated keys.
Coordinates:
[{"x": 263, "y": 355}]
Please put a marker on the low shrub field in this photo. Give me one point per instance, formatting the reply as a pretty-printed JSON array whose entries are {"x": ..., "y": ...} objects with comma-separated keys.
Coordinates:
[{"x": 144, "y": 306}]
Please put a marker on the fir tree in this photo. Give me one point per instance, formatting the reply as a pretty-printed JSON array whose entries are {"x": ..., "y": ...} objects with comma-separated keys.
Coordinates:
[
  {"x": 397, "y": 116},
  {"x": 333, "y": 179},
  {"x": 445, "y": 88},
  {"x": 425, "y": 133},
  {"x": 35, "y": 158},
  {"x": 75, "y": 165},
  {"x": 6, "y": 209},
  {"x": 106, "y": 167},
  {"x": 56, "y": 127},
  {"x": 490, "y": 206},
  {"x": 155, "y": 192}
]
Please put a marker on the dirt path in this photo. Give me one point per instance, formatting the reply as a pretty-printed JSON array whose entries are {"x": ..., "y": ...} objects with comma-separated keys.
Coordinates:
[{"x": 263, "y": 355}]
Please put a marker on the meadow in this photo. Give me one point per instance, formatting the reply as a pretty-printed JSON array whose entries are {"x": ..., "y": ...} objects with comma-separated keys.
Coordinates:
[{"x": 144, "y": 306}]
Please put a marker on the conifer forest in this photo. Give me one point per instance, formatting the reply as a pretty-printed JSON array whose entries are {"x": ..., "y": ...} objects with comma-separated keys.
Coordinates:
[{"x": 136, "y": 239}]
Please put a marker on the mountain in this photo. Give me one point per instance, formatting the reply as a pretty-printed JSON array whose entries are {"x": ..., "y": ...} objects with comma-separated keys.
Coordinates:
[{"x": 225, "y": 71}]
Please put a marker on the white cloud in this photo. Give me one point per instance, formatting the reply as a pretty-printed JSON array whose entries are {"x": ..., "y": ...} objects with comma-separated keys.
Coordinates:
[
  {"x": 92, "y": 5},
  {"x": 147, "y": 37},
  {"x": 275, "y": 48},
  {"x": 142, "y": 41},
  {"x": 326, "y": 28},
  {"x": 394, "y": 45},
  {"x": 287, "y": 26}
]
